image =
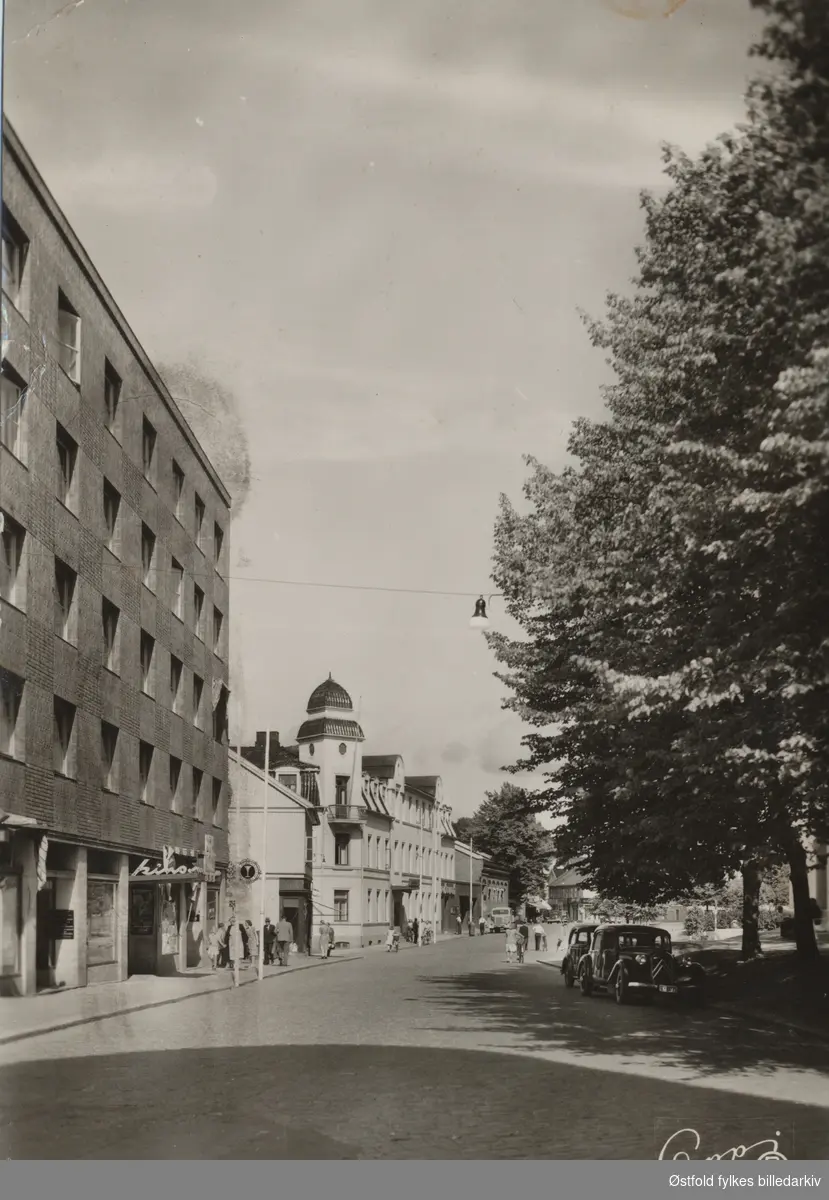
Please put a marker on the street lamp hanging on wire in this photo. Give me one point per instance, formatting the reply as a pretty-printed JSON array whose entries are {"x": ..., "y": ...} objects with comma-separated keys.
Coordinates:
[{"x": 479, "y": 619}]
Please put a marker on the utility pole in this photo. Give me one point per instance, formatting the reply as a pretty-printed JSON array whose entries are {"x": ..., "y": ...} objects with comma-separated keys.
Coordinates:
[
  {"x": 471, "y": 934},
  {"x": 420, "y": 880},
  {"x": 264, "y": 866}
]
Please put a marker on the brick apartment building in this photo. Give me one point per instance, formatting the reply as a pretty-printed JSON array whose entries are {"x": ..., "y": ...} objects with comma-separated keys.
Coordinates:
[{"x": 114, "y": 634}]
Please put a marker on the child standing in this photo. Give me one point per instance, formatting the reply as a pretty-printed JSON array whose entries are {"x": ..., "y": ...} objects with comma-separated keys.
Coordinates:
[{"x": 213, "y": 948}]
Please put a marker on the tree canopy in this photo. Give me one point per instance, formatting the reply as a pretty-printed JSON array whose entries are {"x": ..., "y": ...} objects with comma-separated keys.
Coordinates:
[
  {"x": 673, "y": 586},
  {"x": 504, "y": 827}
]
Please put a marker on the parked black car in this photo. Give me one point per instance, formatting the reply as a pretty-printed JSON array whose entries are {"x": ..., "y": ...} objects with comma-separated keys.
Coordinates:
[
  {"x": 578, "y": 944},
  {"x": 631, "y": 960}
]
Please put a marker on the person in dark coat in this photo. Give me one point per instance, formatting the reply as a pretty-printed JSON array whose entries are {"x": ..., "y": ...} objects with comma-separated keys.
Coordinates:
[{"x": 269, "y": 940}]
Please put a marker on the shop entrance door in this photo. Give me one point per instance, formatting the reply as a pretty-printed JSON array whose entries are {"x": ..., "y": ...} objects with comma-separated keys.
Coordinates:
[{"x": 142, "y": 958}]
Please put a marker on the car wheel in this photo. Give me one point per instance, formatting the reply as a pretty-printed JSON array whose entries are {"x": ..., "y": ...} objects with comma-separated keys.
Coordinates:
[
  {"x": 586, "y": 984},
  {"x": 569, "y": 977},
  {"x": 620, "y": 989}
]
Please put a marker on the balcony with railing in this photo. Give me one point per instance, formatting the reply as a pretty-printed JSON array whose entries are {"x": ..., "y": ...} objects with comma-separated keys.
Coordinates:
[{"x": 346, "y": 814}]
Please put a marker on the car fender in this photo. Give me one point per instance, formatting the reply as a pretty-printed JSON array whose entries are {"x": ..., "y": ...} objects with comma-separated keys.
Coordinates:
[{"x": 614, "y": 970}]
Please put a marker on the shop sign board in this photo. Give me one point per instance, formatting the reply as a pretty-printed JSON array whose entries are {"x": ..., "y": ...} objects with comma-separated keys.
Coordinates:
[
  {"x": 63, "y": 925},
  {"x": 167, "y": 866},
  {"x": 209, "y": 855}
]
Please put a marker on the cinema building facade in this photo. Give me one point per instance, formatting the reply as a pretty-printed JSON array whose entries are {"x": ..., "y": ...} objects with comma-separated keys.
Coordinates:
[{"x": 113, "y": 631}]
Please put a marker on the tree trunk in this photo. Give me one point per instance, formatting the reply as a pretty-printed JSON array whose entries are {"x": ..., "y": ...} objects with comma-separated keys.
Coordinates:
[
  {"x": 804, "y": 928},
  {"x": 751, "y": 909}
]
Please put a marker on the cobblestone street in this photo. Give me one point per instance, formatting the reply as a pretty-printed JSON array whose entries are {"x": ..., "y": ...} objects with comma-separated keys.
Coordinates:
[{"x": 444, "y": 1052}]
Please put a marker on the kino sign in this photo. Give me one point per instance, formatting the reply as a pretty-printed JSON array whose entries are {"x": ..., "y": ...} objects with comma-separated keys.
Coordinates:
[{"x": 167, "y": 866}]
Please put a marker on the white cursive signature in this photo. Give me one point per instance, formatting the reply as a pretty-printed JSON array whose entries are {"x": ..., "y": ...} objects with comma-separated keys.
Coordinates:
[{"x": 770, "y": 1148}]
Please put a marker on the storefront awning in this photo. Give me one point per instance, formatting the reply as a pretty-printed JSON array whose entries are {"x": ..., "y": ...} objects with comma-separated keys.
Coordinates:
[{"x": 13, "y": 821}]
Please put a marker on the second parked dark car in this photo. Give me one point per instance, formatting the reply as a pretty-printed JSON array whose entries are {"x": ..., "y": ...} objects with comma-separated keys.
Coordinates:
[
  {"x": 637, "y": 960},
  {"x": 578, "y": 944}
]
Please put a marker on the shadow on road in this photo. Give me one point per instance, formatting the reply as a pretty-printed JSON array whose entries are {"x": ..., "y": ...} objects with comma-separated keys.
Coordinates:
[
  {"x": 372, "y": 1102},
  {"x": 531, "y": 1004}
]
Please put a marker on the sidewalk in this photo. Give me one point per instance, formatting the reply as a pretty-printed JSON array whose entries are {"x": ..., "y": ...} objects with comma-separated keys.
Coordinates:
[{"x": 29, "y": 1016}]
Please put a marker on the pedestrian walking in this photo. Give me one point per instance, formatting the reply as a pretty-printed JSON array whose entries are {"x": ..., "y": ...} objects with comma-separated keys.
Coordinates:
[
  {"x": 253, "y": 943},
  {"x": 459, "y": 920},
  {"x": 224, "y": 953},
  {"x": 520, "y": 944},
  {"x": 482, "y": 925},
  {"x": 511, "y": 943},
  {"x": 538, "y": 934},
  {"x": 415, "y": 930},
  {"x": 213, "y": 948},
  {"x": 269, "y": 940},
  {"x": 284, "y": 937},
  {"x": 330, "y": 940},
  {"x": 390, "y": 940},
  {"x": 524, "y": 930},
  {"x": 324, "y": 939}
]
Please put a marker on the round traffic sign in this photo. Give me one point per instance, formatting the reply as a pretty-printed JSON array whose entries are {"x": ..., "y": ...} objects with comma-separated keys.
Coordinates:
[{"x": 249, "y": 871}]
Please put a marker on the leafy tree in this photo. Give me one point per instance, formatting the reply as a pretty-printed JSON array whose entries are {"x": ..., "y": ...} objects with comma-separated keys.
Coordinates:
[
  {"x": 504, "y": 828},
  {"x": 463, "y": 827},
  {"x": 674, "y": 586}
]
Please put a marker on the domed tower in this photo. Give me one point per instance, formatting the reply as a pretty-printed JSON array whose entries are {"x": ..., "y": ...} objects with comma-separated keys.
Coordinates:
[{"x": 331, "y": 739}]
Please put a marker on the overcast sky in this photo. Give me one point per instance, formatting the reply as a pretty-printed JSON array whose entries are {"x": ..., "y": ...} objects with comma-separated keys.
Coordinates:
[{"x": 373, "y": 224}]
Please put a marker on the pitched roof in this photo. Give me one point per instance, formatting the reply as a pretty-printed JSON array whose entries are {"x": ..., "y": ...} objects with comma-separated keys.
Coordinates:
[
  {"x": 286, "y": 792},
  {"x": 569, "y": 878},
  {"x": 424, "y": 783},
  {"x": 381, "y": 766}
]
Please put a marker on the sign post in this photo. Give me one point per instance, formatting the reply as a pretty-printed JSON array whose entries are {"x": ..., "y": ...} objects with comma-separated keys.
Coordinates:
[{"x": 262, "y": 897}]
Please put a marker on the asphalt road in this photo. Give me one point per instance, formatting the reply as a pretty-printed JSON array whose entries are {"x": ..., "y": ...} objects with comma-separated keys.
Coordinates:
[{"x": 444, "y": 1052}]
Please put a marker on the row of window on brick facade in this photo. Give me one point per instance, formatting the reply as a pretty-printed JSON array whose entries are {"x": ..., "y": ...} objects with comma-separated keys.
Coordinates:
[
  {"x": 14, "y": 397},
  {"x": 13, "y": 576},
  {"x": 152, "y": 791},
  {"x": 189, "y": 708}
]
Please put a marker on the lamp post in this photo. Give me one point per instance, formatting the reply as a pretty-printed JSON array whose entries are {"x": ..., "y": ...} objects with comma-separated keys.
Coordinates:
[
  {"x": 471, "y": 934},
  {"x": 420, "y": 879},
  {"x": 262, "y": 898}
]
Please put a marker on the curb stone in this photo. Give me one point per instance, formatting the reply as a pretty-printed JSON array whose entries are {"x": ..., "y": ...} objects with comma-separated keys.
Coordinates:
[
  {"x": 74, "y": 1022},
  {"x": 749, "y": 1014},
  {"x": 771, "y": 1019}
]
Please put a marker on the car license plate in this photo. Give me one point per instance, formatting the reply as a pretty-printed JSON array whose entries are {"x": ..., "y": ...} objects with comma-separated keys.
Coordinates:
[{"x": 668, "y": 987}]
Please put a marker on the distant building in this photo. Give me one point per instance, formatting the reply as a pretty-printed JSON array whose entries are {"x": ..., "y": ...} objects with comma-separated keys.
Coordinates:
[
  {"x": 114, "y": 618},
  {"x": 286, "y": 865},
  {"x": 494, "y": 887},
  {"x": 469, "y": 874},
  {"x": 383, "y": 851},
  {"x": 567, "y": 895}
]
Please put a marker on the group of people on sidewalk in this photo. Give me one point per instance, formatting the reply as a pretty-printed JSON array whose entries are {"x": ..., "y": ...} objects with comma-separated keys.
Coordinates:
[
  {"x": 237, "y": 943},
  {"x": 518, "y": 939}
]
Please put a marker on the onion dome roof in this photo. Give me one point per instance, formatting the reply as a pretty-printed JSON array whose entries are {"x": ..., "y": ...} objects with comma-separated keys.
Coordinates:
[{"x": 329, "y": 695}]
